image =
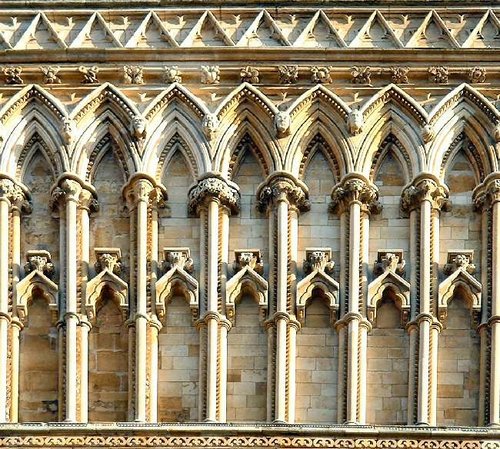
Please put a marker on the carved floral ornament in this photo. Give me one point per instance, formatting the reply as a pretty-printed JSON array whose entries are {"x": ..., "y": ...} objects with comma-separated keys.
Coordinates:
[
  {"x": 17, "y": 197},
  {"x": 425, "y": 189},
  {"x": 213, "y": 187},
  {"x": 282, "y": 186},
  {"x": 355, "y": 189},
  {"x": 39, "y": 260},
  {"x": 108, "y": 259},
  {"x": 144, "y": 189},
  {"x": 248, "y": 257},
  {"x": 178, "y": 257}
]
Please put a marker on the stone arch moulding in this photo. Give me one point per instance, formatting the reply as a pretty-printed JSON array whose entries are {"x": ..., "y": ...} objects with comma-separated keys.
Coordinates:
[
  {"x": 319, "y": 266},
  {"x": 460, "y": 271},
  {"x": 178, "y": 264},
  {"x": 108, "y": 267},
  {"x": 39, "y": 268},
  {"x": 389, "y": 267},
  {"x": 248, "y": 267}
]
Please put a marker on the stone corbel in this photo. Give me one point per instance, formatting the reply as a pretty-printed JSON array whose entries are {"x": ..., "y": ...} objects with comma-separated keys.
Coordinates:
[
  {"x": 108, "y": 268},
  {"x": 39, "y": 270},
  {"x": 248, "y": 267},
  {"x": 388, "y": 268},
  {"x": 178, "y": 265},
  {"x": 460, "y": 270},
  {"x": 319, "y": 265}
]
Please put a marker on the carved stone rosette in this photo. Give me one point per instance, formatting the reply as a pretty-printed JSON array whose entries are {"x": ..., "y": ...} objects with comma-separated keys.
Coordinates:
[{"x": 213, "y": 186}]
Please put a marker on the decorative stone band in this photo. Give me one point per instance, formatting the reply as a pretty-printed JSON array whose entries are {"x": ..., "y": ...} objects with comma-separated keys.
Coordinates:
[
  {"x": 282, "y": 186},
  {"x": 425, "y": 187},
  {"x": 69, "y": 187},
  {"x": 16, "y": 194},
  {"x": 213, "y": 186},
  {"x": 487, "y": 193},
  {"x": 142, "y": 187},
  {"x": 355, "y": 188}
]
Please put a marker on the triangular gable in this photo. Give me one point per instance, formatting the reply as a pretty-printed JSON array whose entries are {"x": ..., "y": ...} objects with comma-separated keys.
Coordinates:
[
  {"x": 263, "y": 32},
  {"x": 460, "y": 278},
  {"x": 432, "y": 33},
  {"x": 207, "y": 33},
  {"x": 376, "y": 33},
  {"x": 388, "y": 279},
  {"x": 94, "y": 289},
  {"x": 96, "y": 34},
  {"x": 40, "y": 34},
  {"x": 24, "y": 291},
  {"x": 151, "y": 33},
  {"x": 319, "y": 33},
  {"x": 486, "y": 34},
  {"x": 317, "y": 280}
]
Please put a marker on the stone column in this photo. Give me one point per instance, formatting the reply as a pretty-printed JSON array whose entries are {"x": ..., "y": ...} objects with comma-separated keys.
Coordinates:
[
  {"x": 487, "y": 200},
  {"x": 67, "y": 196},
  {"x": 12, "y": 198},
  {"x": 143, "y": 194},
  {"x": 282, "y": 197},
  {"x": 213, "y": 199},
  {"x": 353, "y": 199},
  {"x": 424, "y": 199}
]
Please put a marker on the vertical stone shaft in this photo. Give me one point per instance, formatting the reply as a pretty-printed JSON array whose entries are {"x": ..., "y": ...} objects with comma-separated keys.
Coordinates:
[
  {"x": 142, "y": 193},
  {"x": 426, "y": 196},
  {"x": 11, "y": 197},
  {"x": 354, "y": 198},
  {"x": 213, "y": 199},
  {"x": 283, "y": 197}
]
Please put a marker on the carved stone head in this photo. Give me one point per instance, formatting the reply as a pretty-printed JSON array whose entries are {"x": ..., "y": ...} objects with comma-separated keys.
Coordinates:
[{"x": 282, "y": 123}]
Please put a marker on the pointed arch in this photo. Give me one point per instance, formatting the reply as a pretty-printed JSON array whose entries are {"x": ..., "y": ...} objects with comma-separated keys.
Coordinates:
[
  {"x": 245, "y": 145},
  {"x": 319, "y": 111},
  {"x": 106, "y": 280},
  {"x": 247, "y": 279},
  {"x": 319, "y": 144},
  {"x": 464, "y": 110},
  {"x": 175, "y": 93},
  {"x": 248, "y": 131},
  {"x": 105, "y": 144},
  {"x": 95, "y": 141},
  {"x": 391, "y": 125},
  {"x": 391, "y": 144},
  {"x": 396, "y": 99},
  {"x": 32, "y": 96},
  {"x": 27, "y": 288}
]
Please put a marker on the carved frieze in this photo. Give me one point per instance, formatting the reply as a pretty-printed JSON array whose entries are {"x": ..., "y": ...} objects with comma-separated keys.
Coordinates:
[
  {"x": 289, "y": 74},
  {"x": 477, "y": 75},
  {"x": 355, "y": 189},
  {"x": 319, "y": 259},
  {"x": 133, "y": 74},
  {"x": 361, "y": 75},
  {"x": 41, "y": 261},
  {"x": 213, "y": 187},
  {"x": 399, "y": 74},
  {"x": 439, "y": 74},
  {"x": 250, "y": 75},
  {"x": 210, "y": 74},
  {"x": 282, "y": 186},
  {"x": 177, "y": 257},
  {"x": 108, "y": 259},
  {"x": 172, "y": 74},
  {"x": 50, "y": 75},
  {"x": 89, "y": 74},
  {"x": 460, "y": 259},
  {"x": 389, "y": 260},
  {"x": 13, "y": 75},
  {"x": 320, "y": 75}
]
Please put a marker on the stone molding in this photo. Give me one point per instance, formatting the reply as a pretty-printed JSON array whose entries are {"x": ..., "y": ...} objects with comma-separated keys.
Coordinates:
[
  {"x": 425, "y": 187},
  {"x": 355, "y": 188},
  {"x": 282, "y": 186}
]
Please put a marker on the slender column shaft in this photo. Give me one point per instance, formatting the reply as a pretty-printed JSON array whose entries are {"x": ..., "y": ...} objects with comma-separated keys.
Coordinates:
[
  {"x": 495, "y": 324},
  {"x": 4, "y": 304}
]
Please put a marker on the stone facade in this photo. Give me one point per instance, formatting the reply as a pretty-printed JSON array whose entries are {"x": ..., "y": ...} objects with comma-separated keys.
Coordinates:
[{"x": 232, "y": 226}]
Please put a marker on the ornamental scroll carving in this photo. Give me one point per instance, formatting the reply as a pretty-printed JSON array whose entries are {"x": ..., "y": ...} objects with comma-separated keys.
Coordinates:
[
  {"x": 281, "y": 186},
  {"x": 425, "y": 189},
  {"x": 355, "y": 189},
  {"x": 213, "y": 187}
]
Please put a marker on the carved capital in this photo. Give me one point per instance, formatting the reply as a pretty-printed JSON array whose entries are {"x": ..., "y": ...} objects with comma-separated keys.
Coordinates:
[
  {"x": 318, "y": 259},
  {"x": 460, "y": 259},
  {"x": 281, "y": 186},
  {"x": 248, "y": 257},
  {"x": 108, "y": 259},
  {"x": 425, "y": 188},
  {"x": 216, "y": 188},
  {"x": 355, "y": 189},
  {"x": 14, "y": 194},
  {"x": 177, "y": 257},
  {"x": 142, "y": 188},
  {"x": 39, "y": 260},
  {"x": 88, "y": 201},
  {"x": 71, "y": 188},
  {"x": 389, "y": 260}
]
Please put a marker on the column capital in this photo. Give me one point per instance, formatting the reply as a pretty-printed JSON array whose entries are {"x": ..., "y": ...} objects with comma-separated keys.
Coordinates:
[
  {"x": 212, "y": 186},
  {"x": 142, "y": 187},
  {"x": 425, "y": 187},
  {"x": 13, "y": 192},
  {"x": 70, "y": 187},
  {"x": 487, "y": 193},
  {"x": 282, "y": 186},
  {"x": 355, "y": 188}
]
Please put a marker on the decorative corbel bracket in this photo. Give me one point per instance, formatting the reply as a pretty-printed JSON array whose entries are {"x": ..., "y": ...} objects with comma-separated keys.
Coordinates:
[
  {"x": 317, "y": 263},
  {"x": 178, "y": 264},
  {"x": 39, "y": 270},
  {"x": 388, "y": 268},
  {"x": 460, "y": 269},
  {"x": 248, "y": 267},
  {"x": 108, "y": 267}
]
